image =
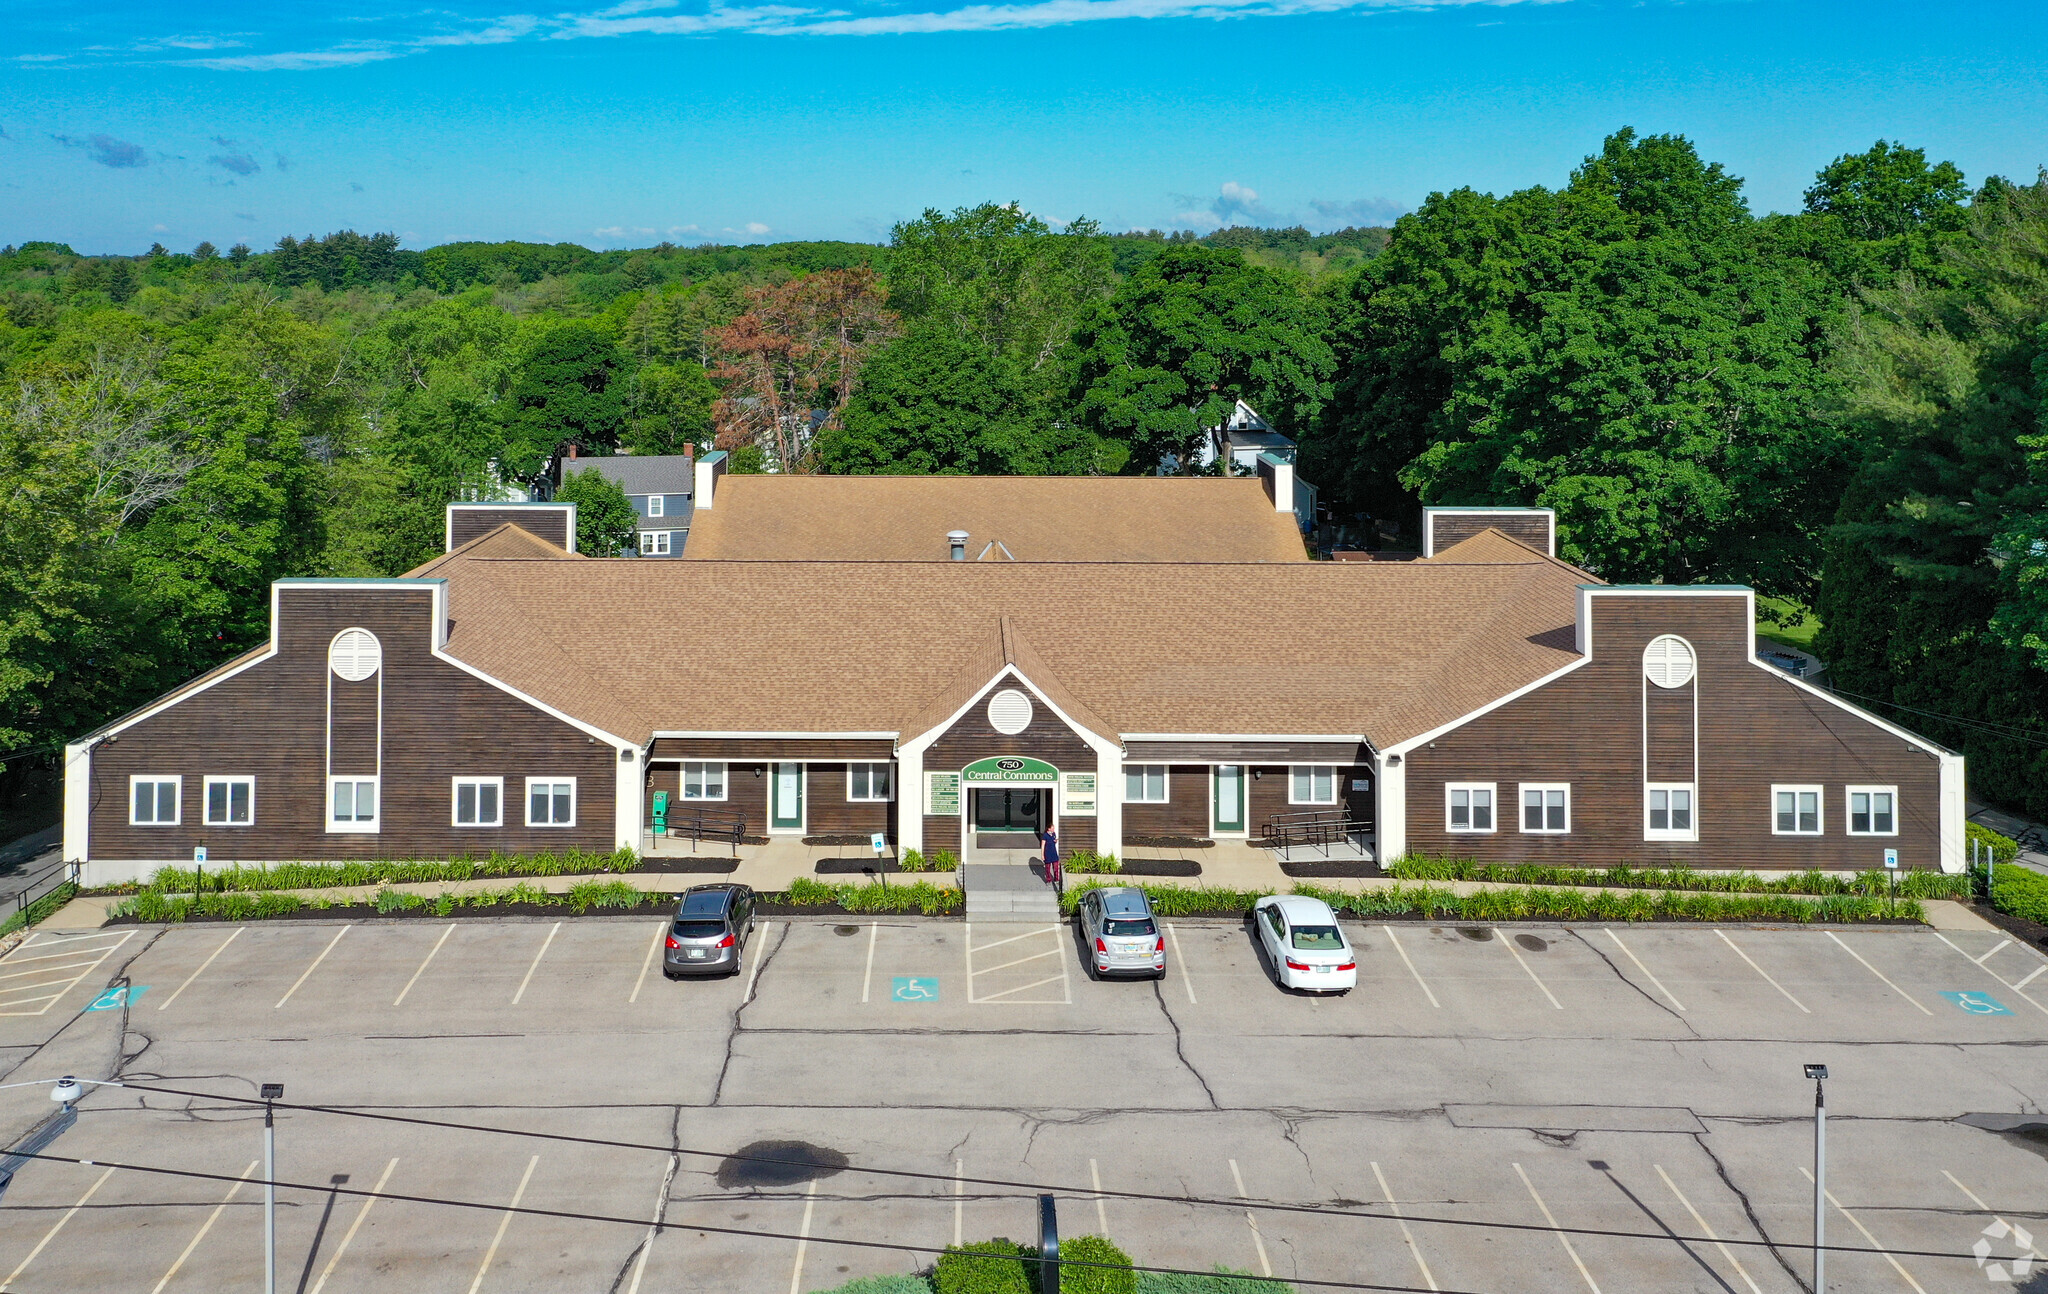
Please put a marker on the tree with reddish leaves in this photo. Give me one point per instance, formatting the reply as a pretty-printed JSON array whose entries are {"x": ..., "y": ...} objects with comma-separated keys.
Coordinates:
[{"x": 787, "y": 365}]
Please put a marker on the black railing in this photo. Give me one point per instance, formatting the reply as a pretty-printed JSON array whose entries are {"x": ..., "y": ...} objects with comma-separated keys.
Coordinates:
[
  {"x": 45, "y": 885},
  {"x": 701, "y": 826}
]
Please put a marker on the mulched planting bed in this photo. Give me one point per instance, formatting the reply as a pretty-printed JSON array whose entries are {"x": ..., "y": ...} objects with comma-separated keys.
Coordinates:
[
  {"x": 1310, "y": 871},
  {"x": 1167, "y": 842},
  {"x": 2031, "y": 932},
  {"x": 855, "y": 866},
  {"x": 720, "y": 866},
  {"x": 1152, "y": 867},
  {"x": 834, "y": 910}
]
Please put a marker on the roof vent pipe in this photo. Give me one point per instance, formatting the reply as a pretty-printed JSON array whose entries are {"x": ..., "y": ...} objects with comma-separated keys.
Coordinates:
[{"x": 958, "y": 540}]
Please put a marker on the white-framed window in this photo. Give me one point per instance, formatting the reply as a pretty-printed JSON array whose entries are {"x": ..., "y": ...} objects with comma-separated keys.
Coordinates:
[
  {"x": 1312, "y": 784},
  {"x": 1468, "y": 806},
  {"x": 1668, "y": 812},
  {"x": 654, "y": 503},
  {"x": 1546, "y": 808},
  {"x": 1144, "y": 783},
  {"x": 1873, "y": 810},
  {"x": 1795, "y": 811},
  {"x": 153, "y": 799},
  {"x": 870, "y": 782},
  {"x": 230, "y": 801},
  {"x": 703, "y": 781},
  {"x": 654, "y": 543},
  {"x": 352, "y": 803},
  {"x": 479, "y": 802},
  {"x": 550, "y": 801}
]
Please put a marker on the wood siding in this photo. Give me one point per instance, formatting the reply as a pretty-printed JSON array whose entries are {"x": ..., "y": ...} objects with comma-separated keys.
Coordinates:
[
  {"x": 830, "y": 813},
  {"x": 551, "y": 524},
  {"x": 1270, "y": 789},
  {"x": 801, "y": 749},
  {"x": 1756, "y": 728},
  {"x": 1668, "y": 727},
  {"x": 972, "y": 737},
  {"x": 1532, "y": 529},
  {"x": 269, "y": 722},
  {"x": 352, "y": 719},
  {"x": 1186, "y": 811}
]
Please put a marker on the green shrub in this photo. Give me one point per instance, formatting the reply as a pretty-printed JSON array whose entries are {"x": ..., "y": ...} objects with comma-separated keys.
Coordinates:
[
  {"x": 913, "y": 861},
  {"x": 399, "y": 901},
  {"x": 804, "y": 892},
  {"x": 1225, "y": 1281},
  {"x": 585, "y": 895},
  {"x": 41, "y": 908},
  {"x": 444, "y": 903},
  {"x": 1087, "y": 861},
  {"x": 959, "y": 1273},
  {"x": 945, "y": 860},
  {"x": 312, "y": 876},
  {"x": 2020, "y": 891},
  {"x": 884, "y": 1285},
  {"x": 1119, "y": 1279},
  {"x": 2003, "y": 848},
  {"x": 1914, "y": 884}
]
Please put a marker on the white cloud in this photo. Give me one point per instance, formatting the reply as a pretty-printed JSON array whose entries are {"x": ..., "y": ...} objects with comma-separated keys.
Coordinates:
[
  {"x": 756, "y": 227},
  {"x": 610, "y": 231},
  {"x": 299, "y": 61},
  {"x": 1359, "y": 211}
]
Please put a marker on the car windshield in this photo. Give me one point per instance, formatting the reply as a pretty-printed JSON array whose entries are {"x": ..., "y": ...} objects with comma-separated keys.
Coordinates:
[
  {"x": 699, "y": 929},
  {"x": 1328, "y": 938},
  {"x": 1128, "y": 926}
]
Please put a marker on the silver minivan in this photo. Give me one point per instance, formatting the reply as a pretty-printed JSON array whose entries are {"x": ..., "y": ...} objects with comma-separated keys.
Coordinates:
[
  {"x": 1119, "y": 933},
  {"x": 710, "y": 933}
]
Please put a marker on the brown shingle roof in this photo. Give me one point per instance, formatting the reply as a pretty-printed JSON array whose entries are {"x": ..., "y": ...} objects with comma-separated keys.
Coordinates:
[
  {"x": 505, "y": 540},
  {"x": 1384, "y": 649},
  {"x": 1037, "y": 518}
]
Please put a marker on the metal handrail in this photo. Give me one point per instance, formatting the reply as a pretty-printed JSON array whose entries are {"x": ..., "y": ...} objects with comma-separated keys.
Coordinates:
[
  {"x": 57, "y": 877},
  {"x": 701, "y": 827}
]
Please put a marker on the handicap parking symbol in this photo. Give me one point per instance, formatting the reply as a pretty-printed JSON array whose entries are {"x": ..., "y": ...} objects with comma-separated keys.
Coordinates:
[
  {"x": 1978, "y": 1003},
  {"x": 916, "y": 988},
  {"x": 116, "y": 998}
]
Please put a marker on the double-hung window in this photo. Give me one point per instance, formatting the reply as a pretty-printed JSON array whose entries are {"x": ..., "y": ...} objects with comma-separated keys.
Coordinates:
[
  {"x": 1795, "y": 810},
  {"x": 703, "y": 781},
  {"x": 153, "y": 800},
  {"x": 1546, "y": 808},
  {"x": 654, "y": 502},
  {"x": 870, "y": 782},
  {"x": 230, "y": 801},
  {"x": 1468, "y": 806},
  {"x": 352, "y": 804},
  {"x": 1668, "y": 812},
  {"x": 550, "y": 802},
  {"x": 479, "y": 801},
  {"x": 1873, "y": 810},
  {"x": 1312, "y": 784},
  {"x": 1144, "y": 783},
  {"x": 654, "y": 543}
]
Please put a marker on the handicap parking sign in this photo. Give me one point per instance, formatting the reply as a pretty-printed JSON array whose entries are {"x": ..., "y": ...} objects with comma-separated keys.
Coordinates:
[
  {"x": 916, "y": 988},
  {"x": 116, "y": 998},
  {"x": 1978, "y": 1003}
]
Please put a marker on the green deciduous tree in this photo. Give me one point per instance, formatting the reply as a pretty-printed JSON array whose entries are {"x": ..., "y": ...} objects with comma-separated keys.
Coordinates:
[
  {"x": 605, "y": 519},
  {"x": 668, "y": 407},
  {"x": 568, "y": 387}
]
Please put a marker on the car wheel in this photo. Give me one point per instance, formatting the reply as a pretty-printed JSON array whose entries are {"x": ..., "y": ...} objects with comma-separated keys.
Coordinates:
[{"x": 670, "y": 975}]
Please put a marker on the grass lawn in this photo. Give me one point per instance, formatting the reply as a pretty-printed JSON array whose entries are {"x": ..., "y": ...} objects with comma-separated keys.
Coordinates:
[{"x": 1799, "y": 635}]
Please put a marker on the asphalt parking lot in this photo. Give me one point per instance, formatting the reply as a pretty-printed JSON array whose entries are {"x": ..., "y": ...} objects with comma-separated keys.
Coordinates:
[{"x": 1642, "y": 1080}]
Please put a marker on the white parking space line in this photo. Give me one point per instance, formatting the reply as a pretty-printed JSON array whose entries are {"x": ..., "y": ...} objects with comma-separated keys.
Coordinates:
[
  {"x": 1708, "y": 1231},
  {"x": 1406, "y": 1234},
  {"x": 315, "y": 966},
  {"x": 803, "y": 1238},
  {"x": 1562, "y": 1238},
  {"x": 959, "y": 1198},
  {"x": 1258, "y": 1241},
  {"x": 998, "y": 996},
  {"x": 1186, "y": 981},
  {"x": 654, "y": 1228},
  {"x": 47, "y": 992},
  {"x": 353, "y": 1227},
  {"x": 1995, "y": 975},
  {"x": 545, "y": 944},
  {"x": 1675, "y": 1003},
  {"x": 1002, "y": 997},
  {"x": 754, "y": 964},
  {"x": 1761, "y": 971},
  {"x": 2003, "y": 943},
  {"x": 1101, "y": 1213},
  {"x": 1509, "y": 943},
  {"x": 2031, "y": 976},
  {"x": 867, "y": 977},
  {"x": 202, "y": 968},
  {"x": 1903, "y": 1273},
  {"x": 431, "y": 953},
  {"x": 1880, "y": 974},
  {"x": 985, "y": 970},
  {"x": 1976, "y": 1200},
  {"x": 206, "y": 1226},
  {"x": 660, "y": 931},
  {"x": 1419, "y": 981},
  {"x": 1010, "y": 939},
  {"x": 51, "y": 1234},
  {"x": 504, "y": 1222}
]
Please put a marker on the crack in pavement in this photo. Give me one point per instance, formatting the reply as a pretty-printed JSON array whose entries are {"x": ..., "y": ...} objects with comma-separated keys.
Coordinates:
[
  {"x": 736, "y": 1026},
  {"x": 1665, "y": 1007},
  {"x": 1748, "y": 1208},
  {"x": 1180, "y": 1051}
]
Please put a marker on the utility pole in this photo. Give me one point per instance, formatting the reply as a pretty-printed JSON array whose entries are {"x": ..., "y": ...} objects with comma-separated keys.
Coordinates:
[
  {"x": 271, "y": 1092},
  {"x": 1819, "y": 1073}
]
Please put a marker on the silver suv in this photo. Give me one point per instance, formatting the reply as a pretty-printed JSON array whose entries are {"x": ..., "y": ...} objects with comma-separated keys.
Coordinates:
[
  {"x": 712, "y": 926},
  {"x": 1121, "y": 937}
]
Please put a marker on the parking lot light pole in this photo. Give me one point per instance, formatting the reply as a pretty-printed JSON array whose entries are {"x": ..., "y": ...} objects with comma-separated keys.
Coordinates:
[
  {"x": 1819, "y": 1074},
  {"x": 271, "y": 1092}
]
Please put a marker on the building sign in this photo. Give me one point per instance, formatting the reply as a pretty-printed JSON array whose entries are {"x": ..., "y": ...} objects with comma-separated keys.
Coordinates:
[
  {"x": 1010, "y": 768},
  {"x": 1078, "y": 795},
  {"x": 942, "y": 794}
]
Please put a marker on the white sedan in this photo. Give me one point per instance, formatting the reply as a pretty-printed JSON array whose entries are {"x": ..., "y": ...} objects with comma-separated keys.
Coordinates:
[{"x": 1307, "y": 946}]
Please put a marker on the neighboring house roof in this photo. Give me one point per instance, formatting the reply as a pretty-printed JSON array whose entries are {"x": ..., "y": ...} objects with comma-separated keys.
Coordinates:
[
  {"x": 640, "y": 473},
  {"x": 1032, "y": 518},
  {"x": 1383, "y": 649}
]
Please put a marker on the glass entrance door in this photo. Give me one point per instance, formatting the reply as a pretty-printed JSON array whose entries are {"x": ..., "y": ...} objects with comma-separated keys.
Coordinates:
[
  {"x": 786, "y": 807},
  {"x": 1002, "y": 808},
  {"x": 1229, "y": 798}
]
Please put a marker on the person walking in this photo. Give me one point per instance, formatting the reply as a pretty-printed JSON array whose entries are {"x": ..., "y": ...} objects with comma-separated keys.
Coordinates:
[{"x": 1052, "y": 858}]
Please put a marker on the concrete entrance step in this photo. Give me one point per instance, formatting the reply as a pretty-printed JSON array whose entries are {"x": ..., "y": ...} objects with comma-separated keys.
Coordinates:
[{"x": 1007, "y": 890}]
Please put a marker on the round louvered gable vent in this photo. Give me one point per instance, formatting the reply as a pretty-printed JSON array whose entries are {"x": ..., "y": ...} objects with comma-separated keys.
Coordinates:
[
  {"x": 1668, "y": 661},
  {"x": 1009, "y": 712},
  {"x": 355, "y": 654}
]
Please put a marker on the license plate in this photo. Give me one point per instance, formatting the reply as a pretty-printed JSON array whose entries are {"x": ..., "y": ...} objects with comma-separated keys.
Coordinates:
[
  {"x": 1324, "y": 970},
  {"x": 695, "y": 954}
]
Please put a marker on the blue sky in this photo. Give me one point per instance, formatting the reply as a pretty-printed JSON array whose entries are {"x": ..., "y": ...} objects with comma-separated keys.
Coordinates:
[{"x": 771, "y": 119}]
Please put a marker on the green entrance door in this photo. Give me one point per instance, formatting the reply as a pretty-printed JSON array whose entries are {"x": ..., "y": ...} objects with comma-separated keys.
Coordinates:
[
  {"x": 1228, "y": 798},
  {"x": 786, "y": 807}
]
